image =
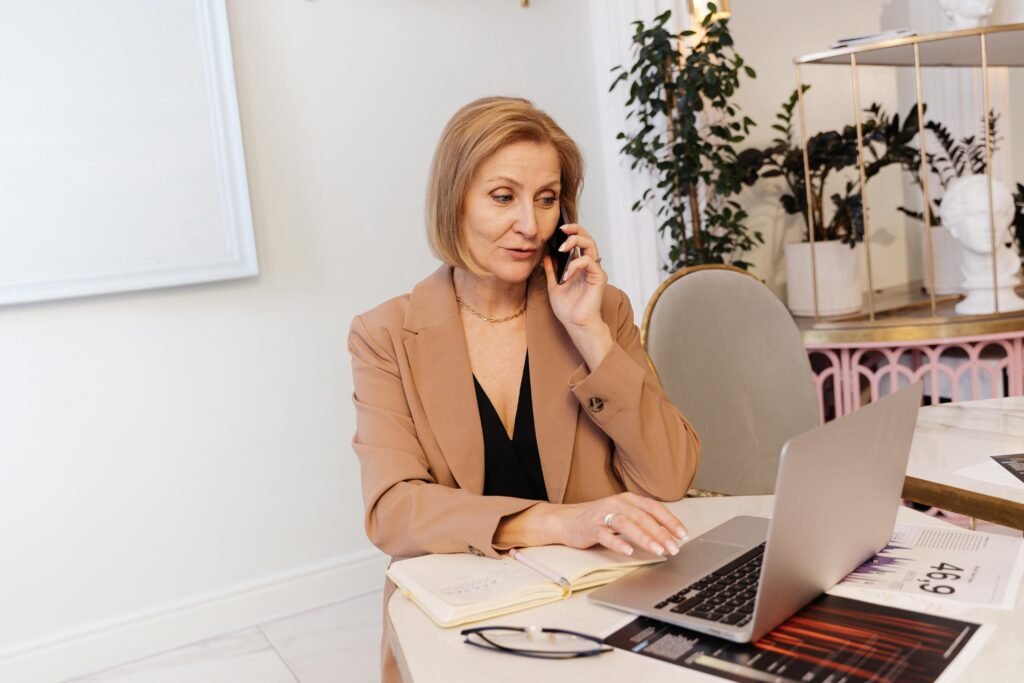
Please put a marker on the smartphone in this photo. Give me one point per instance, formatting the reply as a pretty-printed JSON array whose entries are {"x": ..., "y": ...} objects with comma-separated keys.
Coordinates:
[{"x": 561, "y": 258}]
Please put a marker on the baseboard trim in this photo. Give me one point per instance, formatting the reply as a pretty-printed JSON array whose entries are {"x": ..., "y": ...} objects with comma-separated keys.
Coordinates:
[{"x": 77, "y": 652}]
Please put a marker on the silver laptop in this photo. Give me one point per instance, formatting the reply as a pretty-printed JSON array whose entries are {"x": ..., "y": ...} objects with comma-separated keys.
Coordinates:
[{"x": 836, "y": 496}]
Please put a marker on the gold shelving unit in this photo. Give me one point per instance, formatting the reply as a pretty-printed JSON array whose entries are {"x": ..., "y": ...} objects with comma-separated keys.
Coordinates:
[{"x": 907, "y": 313}]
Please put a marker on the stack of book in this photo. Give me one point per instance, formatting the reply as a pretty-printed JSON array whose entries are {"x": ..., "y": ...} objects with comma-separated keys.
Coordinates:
[{"x": 872, "y": 38}]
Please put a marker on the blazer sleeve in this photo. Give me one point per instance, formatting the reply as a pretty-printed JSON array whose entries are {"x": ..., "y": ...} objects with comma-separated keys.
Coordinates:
[
  {"x": 656, "y": 450},
  {"x": 407, "y": 513}
]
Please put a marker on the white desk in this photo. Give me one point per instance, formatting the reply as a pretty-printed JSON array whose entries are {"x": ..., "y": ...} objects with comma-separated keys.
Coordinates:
[
  {"x": 428, "y": 653},
  {"x": 953, "y": 436}
]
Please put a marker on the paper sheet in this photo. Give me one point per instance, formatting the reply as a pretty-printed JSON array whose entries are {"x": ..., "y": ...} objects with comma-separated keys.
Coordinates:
[
  {"x": 944, "y": 565},
  {"x": 991, "y": 472}
]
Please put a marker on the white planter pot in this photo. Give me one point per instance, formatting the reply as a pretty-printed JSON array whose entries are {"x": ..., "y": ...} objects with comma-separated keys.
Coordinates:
[
  {"x": 838, "y": 275},
  {"x": 946, "y": 251}
]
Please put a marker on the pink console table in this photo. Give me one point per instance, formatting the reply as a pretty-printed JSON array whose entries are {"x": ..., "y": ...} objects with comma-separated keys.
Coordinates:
[{"x": 961, "y": 359}]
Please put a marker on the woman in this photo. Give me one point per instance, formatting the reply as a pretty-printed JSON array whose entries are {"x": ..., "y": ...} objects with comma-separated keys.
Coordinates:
[{"x": 496, "y": 407}]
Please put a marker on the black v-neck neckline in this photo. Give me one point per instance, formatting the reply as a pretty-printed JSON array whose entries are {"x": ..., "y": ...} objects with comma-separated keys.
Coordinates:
[
  {"x": 524, "y": 397},
  {"x": 512, "y": 465}
]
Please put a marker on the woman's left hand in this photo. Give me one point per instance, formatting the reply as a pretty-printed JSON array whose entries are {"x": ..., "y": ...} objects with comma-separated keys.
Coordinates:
[{"x": 576, "y": 302}]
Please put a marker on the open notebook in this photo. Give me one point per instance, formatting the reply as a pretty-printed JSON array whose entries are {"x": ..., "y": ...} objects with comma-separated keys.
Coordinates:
[{"x": 457, "y": 589}]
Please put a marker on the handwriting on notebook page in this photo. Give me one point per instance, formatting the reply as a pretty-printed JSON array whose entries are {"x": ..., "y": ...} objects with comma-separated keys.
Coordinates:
[{"x": 471, "y": 586}]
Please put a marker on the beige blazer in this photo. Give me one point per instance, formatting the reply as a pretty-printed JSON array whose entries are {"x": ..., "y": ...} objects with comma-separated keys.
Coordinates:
[{"x": 419, "y": 439}]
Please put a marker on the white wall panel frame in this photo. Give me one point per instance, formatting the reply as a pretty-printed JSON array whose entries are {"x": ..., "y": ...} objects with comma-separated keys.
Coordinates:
[{"x": 121, "y": 168}]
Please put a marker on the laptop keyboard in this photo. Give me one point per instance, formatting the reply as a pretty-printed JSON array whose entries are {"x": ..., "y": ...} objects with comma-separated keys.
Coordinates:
[{"x": 726, "y": 595}]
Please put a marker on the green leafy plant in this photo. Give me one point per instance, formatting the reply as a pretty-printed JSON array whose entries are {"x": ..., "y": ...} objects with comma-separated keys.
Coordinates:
[
  {"x": 1018, "y": 218},
  {"x": 685, "y": 133},
  {"x": 957, "y": 157},
  {"x": 832, "y": 155},
  {"x": 954, "y": 158}
]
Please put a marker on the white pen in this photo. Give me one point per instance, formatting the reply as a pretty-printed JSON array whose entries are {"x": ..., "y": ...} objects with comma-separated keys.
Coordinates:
[{"x": 539, "y": 568}]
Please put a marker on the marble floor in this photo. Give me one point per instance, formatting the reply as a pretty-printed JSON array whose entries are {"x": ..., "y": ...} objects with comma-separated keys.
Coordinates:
[{"x": 337, "y": 642}]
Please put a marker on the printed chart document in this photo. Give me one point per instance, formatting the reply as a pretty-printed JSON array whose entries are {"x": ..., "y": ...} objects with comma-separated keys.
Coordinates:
[
  {"x": 830, "y": 640},
  {"x": 459, "y": 588},
  {"x": 945, "y": 564},
  {"x": 1014, "y": 464},
  {"x": 1002, "y": 470}
]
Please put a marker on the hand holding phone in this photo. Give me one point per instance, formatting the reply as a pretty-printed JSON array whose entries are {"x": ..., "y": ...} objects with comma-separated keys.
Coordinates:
[{"x": 561, "y": 259}]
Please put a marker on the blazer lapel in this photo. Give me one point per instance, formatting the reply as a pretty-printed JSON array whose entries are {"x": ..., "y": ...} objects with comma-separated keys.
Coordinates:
[
  {"x": 553, "y": 360},
  {"x": 439, "y": 360}
]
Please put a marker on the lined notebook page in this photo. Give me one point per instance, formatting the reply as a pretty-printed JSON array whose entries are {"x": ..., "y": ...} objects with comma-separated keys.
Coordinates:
[
  {"x": 468, "y": 579},
  {"x": 573, "y": 563}
]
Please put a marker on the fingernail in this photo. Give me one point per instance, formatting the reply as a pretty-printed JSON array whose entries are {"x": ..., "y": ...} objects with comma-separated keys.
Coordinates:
[
  {"x": 627, "y": 550},
  {"x": 681, "y": 533},
  {"x": 564, "y": 247},
  {"x": 672, "y": 547},
  {"x": 657, "y": 549},
  {"x": 565, "y": 228}
]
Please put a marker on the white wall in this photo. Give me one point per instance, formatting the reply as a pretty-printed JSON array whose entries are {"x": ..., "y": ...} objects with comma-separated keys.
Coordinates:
[
  {"x": 1016, "y": 87},
  {"x": 178, "y": 461}
]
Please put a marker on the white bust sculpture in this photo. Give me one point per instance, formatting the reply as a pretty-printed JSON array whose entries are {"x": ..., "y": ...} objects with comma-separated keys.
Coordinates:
[
  {"x": 967, "y": 13},
  {"x": 964, "y": 212}
]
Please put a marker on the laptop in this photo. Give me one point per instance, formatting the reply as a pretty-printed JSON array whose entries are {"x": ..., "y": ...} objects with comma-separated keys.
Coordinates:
[{"x": 836, "y": 496}]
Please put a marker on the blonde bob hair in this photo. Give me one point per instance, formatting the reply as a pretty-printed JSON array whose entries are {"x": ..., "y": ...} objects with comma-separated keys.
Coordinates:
[{"x": 473, "y": 134}]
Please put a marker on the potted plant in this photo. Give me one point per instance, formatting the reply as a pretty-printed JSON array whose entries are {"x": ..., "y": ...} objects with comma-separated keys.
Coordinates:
[
  {"x": 685, "y": 134},
  {"x": 839, "y": 223}
]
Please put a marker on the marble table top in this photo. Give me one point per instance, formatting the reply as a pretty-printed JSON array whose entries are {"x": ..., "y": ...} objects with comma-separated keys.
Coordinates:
[{"x": 955, "y": 436}]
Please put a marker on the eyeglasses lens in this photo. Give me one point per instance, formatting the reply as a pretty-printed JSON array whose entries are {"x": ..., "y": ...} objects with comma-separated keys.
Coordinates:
[{"x": 534, "y": 640}]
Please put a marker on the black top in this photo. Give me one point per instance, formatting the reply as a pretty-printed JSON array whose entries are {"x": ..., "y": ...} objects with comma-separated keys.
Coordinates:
[{"x": 511, "y": 466}]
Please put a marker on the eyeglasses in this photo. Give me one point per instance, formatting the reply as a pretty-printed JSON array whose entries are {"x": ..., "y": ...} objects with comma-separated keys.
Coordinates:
[{"x": 534, "y": 641}]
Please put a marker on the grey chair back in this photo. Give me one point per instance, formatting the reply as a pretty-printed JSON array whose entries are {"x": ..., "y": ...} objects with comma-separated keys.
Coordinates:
[{"x": 732, "y": 360}]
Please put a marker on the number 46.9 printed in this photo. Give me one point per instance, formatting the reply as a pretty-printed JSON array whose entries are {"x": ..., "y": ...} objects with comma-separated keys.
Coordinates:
[
  {"x": 944, "y": 571},
  {"x": 946, "y": 564}
]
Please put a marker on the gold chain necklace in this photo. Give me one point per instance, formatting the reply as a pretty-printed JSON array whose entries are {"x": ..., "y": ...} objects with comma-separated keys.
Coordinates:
[{"x": 484, "y": 317}]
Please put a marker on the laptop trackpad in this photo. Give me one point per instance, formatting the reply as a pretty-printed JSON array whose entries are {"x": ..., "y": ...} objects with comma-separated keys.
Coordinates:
[
  {"x": 718, "y": 546},
  {"x": 697, "y": 558},
  {"x": 701, "y": 556}
]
